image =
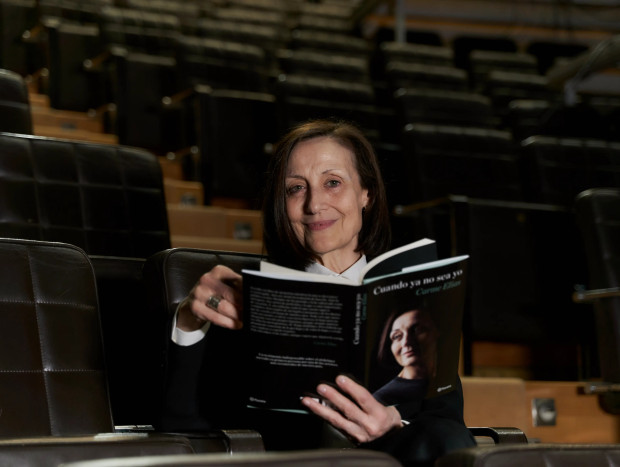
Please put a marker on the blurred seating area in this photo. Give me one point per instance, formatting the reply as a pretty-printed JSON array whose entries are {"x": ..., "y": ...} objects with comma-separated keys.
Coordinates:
[{"x": 134, "y": 141}]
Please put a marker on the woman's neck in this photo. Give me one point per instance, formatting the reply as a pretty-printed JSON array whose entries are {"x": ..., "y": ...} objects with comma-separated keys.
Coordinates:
[
  {"x": 411, "y": 372},
  {"x": 340, "y": 264}
]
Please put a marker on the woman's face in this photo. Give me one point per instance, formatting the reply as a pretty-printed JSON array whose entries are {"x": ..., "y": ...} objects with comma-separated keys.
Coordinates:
[
  {"x": 413, "y": 338},
  {"x": 324, "y": 200}
]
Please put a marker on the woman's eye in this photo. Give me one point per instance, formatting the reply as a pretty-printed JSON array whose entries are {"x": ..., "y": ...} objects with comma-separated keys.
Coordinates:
[
  {"x": 333, "y": 183},
  {"x": 294, "y": 189},
  {"x": 396, "y": 337}
]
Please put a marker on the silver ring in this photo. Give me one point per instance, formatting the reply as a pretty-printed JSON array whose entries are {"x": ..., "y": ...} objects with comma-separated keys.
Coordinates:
[{"x": 214, "y": 302}]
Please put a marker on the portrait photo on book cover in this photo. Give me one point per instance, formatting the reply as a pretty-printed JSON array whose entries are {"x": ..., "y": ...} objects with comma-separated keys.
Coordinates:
[{"x": 416, "y": 352}]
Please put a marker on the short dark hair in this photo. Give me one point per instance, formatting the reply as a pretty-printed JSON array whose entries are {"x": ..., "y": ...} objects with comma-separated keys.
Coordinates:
[{"x": 282, "y": 245}]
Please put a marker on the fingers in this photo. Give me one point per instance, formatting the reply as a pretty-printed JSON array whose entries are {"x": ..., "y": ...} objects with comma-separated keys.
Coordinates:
[
  {"x": 225, "y": 284},
  {"x": 335, "y": 418},
  {"x": 360, "y": 416}
]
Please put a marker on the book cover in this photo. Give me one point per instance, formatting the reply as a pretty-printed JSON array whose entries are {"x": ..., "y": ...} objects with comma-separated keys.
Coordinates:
[{"x": 397, "y": 331}]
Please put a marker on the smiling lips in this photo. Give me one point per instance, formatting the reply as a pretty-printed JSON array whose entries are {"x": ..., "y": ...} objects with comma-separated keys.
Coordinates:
[{"x": 322, "y": 225}]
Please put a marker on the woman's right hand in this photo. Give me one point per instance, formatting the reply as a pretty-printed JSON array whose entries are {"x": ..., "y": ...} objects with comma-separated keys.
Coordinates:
[{"x": 220, "y": 282}]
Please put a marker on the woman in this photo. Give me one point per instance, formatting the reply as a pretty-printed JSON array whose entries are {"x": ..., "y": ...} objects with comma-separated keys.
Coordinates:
[
  {"x": 325, "y": 211},
  {"x": 409, "y": 342}
]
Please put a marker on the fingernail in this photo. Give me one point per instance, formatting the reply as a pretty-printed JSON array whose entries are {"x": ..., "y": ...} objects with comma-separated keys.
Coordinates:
[
  {"x": 341, "y": 379},
  {"x": 322, "y": 389}
]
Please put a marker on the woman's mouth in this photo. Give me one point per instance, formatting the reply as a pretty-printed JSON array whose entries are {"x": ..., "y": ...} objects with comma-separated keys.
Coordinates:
[{"x": 317, "y": 226}]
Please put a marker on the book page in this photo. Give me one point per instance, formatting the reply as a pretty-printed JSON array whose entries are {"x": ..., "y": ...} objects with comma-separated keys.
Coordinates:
[
  {"x": 395, "y": 260},
  {"x": 303, "y": 334},
  {"x": 275, "y": 271}
]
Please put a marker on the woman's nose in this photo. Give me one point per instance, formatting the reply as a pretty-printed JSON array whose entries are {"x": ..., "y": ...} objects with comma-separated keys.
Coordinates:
[
  {"x": 314, "y": 201},
  {"x": 411, "y": 340}
]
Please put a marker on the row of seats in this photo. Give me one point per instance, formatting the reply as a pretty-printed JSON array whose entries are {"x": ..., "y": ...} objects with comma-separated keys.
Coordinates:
[
  {"x": 111, "y": 201},
  {"x": 478, "y": 92},
  {"x": 207, "y": 58},
  {"x": 445, "y": 159},
  {"x": 488, "y": 163},
  {"x": 113, "y": 204},
  {"x": 107, "y": 268},
  {"x": 485, "y": 163},
  {"x": 73, "y": 371}
]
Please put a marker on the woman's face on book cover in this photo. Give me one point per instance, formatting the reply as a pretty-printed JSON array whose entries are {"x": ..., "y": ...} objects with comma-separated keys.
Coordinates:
[
  {"x": 324, "y": 200},
  {"x": 413, "y": 338}
]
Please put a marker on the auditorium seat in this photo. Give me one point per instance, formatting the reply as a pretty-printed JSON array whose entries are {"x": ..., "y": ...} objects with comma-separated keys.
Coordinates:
[
  {"x": 71, "y": 85},
  {"x": 142, "y": 118},
  {"x": 559, "y": 168},
  {"x": 534, "y": 117},
  {"x": 327, "y": 64},
  {"x": 245, "y": 14},
  {"x": 391, "y": 162},
  {"x": 235, "y": 132},
  {"x": 221, "y": 64},
  {"x": 140, "y": 31},
  {"x": 483, "y": 62},
  {"x": 108, "y": 200},
  {"x": 170, "y": 275},
  {"x": 17, "y": 53},
  {"x": 597, "y": 212},
  {"x": 525, "y": 261},
  {"x": 425, "y": 36},
  {"x": 411, "y": 54},
  {"x": 327, "y": 17},
  {"x": 301, "y": 97},
  {"x": 15, "y": 116},
  {"x": 416, "y": 53},
  {"x": 79, "y": 12},
  {"x": 440, "y": 107},
  {"x": 401, "y": 74},
  {"x": 338, "y": 43},
  {"x": 53, "y": 370},
  {"x": 105, "y": 199},
  {"x": 464, "y": 43},
  {"x": 53, "y": 451},
  {"x": 268, "y": 38},
  {"x": 548, "y": 51},
  {"x": 289, "y": 8},
  {"x": 549, "y": 455},
  {"x": 441, "y": 160},
  {"x": 187, "y": 402},
  {"x": 607, "y": 108},
  {"x": 184, "y": 11},
  {"x": 324, "y": 457},
  {"x": 503, "y": 87}
]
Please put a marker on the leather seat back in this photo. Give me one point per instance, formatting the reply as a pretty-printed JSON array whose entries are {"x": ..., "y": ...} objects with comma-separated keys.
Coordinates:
[
  {"x": 106, "y": 199},
  {"x": 15, "y": 114},
  {"x": 52, "y": 375}
]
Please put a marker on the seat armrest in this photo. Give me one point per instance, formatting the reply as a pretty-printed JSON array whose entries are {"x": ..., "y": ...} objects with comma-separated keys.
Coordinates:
[
  {"x": 216, "y": 440},
  {"x": 585, "y": 296},
  {"x": 223, "y": 440},
  {"x": 500, "y": 435}
]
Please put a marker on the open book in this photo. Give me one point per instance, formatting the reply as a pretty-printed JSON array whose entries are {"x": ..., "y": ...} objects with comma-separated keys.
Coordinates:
[{"x": 397, "y": 331}]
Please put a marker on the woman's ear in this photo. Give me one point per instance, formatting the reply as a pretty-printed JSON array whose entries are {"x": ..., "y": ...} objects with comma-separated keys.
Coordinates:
[{"x": 369, "y": 200}]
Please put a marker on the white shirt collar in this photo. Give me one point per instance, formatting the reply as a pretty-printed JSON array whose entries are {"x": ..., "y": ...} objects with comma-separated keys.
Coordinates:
[{"x": 353, "y": 273}]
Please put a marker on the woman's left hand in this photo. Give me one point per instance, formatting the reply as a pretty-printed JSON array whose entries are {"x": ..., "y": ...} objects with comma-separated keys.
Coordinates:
[{"x": 361, "y": 416}]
